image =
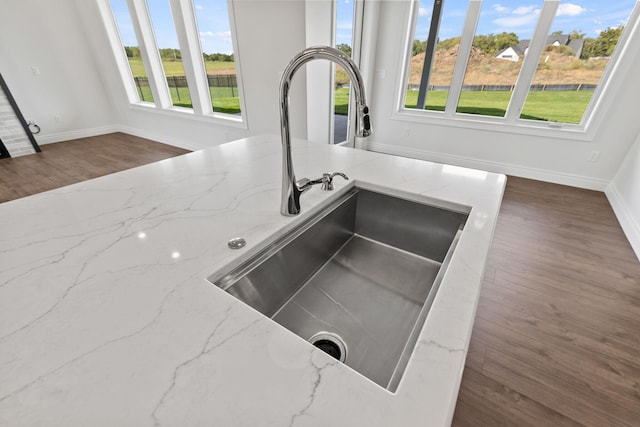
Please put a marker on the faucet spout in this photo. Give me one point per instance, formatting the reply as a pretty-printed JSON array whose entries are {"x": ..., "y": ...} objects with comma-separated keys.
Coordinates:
[{"x": 292, "y": 189}]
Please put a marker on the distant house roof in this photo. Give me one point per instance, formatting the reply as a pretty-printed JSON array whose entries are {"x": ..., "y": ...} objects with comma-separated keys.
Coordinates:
[
  {"x": 522, "y": 47},
  {"x": 560, "y": 39},
  {"x": 576, "y": 45},
  {"x": 555, "y": 39}
]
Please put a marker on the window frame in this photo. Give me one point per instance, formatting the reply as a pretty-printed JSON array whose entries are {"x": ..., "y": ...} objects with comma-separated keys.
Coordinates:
[
  {"x": 511, "y": 122},
  {"x": 185, "y": 23}
]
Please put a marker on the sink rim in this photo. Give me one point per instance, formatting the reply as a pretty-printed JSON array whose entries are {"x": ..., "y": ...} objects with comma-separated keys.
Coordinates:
[
  {"x": 227, "y": 278},
  {"x": 252, "y": 250}
]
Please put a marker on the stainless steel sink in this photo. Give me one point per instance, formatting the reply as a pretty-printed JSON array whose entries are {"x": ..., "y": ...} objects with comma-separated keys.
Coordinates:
[{"x": 357, "y": 279}]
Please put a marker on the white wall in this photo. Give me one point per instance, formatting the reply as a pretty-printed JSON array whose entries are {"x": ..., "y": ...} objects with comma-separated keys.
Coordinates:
[
  {"x": 550, "y": 158},
  {"x": 67, "y": 99},
  {"x": 270, "y": 33},
  {"x": 624, "y": 195}
]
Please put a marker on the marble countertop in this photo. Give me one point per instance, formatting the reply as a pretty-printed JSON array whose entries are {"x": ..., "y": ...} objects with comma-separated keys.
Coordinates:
[{"x": 106, "y": 316}]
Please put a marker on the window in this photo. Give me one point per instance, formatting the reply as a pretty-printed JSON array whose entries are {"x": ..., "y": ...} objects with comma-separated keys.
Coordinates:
[
  {"x": 170, "y": 61},
  {"x": 344, "y": 42},
  {"x": 489, "y": 79},
  {"x": 434, "y": 69},
  {"x": 169, "y": 51},
  {"x": 573, "y": 61},
  {"x": 518, "y": 61},
  {"x": 131, "y": 47},
  {"x": 217, "y": 52}
]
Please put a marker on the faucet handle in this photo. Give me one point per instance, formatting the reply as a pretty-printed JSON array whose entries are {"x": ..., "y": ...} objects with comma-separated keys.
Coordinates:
[
  {"x": 305, "y": 183},
  {"x": 327, "y": 180}
]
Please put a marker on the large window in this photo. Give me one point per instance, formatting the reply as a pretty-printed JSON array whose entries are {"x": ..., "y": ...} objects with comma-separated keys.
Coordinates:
[
  {"x": 522, "y": 61},
  {"x": 217, "y": 51},
  {"x": 433, "y": 71},
  {"x": 131, "y": 47},
  {"x": 180, "y": 53},
  {"x": 344, "y": 42},
  {"x": 169, "y": 51}
]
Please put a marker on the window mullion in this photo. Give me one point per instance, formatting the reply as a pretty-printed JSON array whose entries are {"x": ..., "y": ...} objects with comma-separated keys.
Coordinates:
[
  {"x": 531, "y": 59},
  {"x": 464, "y": 50},
  {"x": 432, "y": 41},
  {"x": 149, "y": 52},
  {"x": 188, "y": 39}
]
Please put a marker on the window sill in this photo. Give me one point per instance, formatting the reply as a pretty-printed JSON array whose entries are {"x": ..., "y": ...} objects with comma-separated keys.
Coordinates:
[
  {"x": 495, "y": 124},
  {"x": 222, "y": 119}
]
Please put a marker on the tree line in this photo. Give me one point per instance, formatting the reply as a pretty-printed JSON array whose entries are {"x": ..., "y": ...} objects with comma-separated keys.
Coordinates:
[
  {"x": 491, "y": 44},
  {"x": 170, "y": 54}
]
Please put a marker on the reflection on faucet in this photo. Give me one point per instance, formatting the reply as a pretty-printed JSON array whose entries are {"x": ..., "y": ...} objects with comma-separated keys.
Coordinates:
[{"x": 292, "y": 189}]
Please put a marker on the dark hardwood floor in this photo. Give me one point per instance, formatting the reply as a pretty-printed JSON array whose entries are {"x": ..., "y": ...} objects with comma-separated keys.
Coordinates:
[
  {"x": 556, "y": 340},
  {"x": 68, "y": 162}
]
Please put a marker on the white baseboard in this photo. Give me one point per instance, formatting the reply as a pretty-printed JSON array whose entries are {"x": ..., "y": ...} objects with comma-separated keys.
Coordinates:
[
  {"x": 507, "y": 169},
  {"x": 76, "y": 134},
  {"x": 626, "y": 219}
]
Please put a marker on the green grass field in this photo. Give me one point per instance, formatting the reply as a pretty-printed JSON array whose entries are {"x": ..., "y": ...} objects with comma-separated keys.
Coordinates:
[
  {"x": 565, "y": 106},
  {"x": 222, "y": 99},
  {"x": 175, "y": 68}
]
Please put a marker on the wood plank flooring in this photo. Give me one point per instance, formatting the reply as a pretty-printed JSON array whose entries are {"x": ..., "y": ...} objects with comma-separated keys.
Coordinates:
[
  {"x": 78, "y": 160},
  {"x": 556, "y": 340}
]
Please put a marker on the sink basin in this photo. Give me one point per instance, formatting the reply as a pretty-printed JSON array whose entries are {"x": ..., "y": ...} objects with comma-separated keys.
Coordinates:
[{"x": 356, "y": 280}]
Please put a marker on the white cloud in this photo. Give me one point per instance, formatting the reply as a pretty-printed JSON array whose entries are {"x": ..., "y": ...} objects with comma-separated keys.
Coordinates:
[
  {"x": 569, "y": 9},
  {"x": 424, "y": 11},
  {"x": 500, "y": 8},
  {"x": 199, "y": 7},
  {"x": 513, "y": 18},
  {"x": 524, "y": 10}
]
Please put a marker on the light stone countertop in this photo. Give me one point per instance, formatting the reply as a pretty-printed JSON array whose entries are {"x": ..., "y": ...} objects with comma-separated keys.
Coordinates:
[{"x": 107, "y": 319}]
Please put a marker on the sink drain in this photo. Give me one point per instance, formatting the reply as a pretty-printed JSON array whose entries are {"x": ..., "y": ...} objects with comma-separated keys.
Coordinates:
[{"x": 330, "y": 343}]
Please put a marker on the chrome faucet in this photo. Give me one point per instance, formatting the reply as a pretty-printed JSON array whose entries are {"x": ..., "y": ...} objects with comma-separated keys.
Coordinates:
[{"x": 292, "y": 189}]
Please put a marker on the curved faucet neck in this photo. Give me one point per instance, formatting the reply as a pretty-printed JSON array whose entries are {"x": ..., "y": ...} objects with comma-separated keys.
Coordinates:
[{"x": 291, "y": 191}]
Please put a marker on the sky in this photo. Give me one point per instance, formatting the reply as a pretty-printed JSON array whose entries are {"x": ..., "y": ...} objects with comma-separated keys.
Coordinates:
[
  {"x": 211, "y": 15},
  {"x": 213, "y": 24},
  {"x": 519, "y": 16}
]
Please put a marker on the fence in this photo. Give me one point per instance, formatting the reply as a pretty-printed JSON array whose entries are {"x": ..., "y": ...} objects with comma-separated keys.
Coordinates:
[
  {"x": 176, "y": 82},
  {"x": 534, "y": 88}
]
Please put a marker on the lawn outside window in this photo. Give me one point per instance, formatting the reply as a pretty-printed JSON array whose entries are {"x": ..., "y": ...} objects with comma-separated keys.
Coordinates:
[
  {"x": 515, "y": 66},
  {"x": 167, "y": 61}
]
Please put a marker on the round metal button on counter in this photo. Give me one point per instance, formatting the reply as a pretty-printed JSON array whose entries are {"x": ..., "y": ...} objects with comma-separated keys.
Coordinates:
[{"x": 237, "y": 243}]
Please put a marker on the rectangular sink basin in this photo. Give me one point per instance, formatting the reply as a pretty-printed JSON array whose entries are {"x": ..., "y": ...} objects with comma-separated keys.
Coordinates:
[{"x": 356, "y": 280}]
